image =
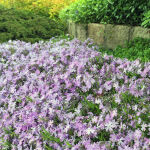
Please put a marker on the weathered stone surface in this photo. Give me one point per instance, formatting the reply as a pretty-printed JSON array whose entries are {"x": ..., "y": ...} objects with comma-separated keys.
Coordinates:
[
  {"x": 140, "y": 32},
  {"x": 96, "y": 32},
  {"x": 116, "y": 35},
  {"x": 72, "y": 28},
  {"x": 81, "y": 31},
  {"x": 107, "y": 36}
]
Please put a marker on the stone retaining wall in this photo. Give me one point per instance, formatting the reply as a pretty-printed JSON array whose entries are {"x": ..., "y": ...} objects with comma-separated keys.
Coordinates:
[{"x": 107, "y": 36}]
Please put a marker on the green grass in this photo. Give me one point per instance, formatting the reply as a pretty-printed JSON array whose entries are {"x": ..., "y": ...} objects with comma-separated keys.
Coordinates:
[{"x": 138, "y": 48}]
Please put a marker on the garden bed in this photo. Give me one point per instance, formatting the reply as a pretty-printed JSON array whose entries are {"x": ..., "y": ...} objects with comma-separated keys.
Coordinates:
[{"x": 65, "y": 95}]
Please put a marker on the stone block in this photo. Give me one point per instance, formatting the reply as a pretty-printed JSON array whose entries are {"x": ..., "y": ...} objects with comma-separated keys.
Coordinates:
[
  {"x": 140, "y": 32},
  {"x": 96, "y": 32},
  {"x": 72, "y": 28},
  {"x": 107, "y": 36},
  {"x": 116, "y": 35},
  {"x": 81, "y": 31}
]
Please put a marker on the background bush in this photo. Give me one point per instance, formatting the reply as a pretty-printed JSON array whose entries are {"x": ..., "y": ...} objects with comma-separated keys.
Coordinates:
[
  {"x": 84, "y": 11},
  {"x": 138, "y": 48},
  {"x": 26, "y": 26},
  {"x": 20, "y": 4},
  {"x": 107, "y": 11},
  {"x": 45, "y": 7}
]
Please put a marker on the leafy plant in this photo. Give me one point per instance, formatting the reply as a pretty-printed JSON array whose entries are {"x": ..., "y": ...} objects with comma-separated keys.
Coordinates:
[
  {"x": 125, "y": 11},
  {"x": 107, "y": 11},
  {"x": 43, "y": 7},
  {"x": 27, "y": 26},
  {"x": 146, "y": 19},
  {"x": 7, "y": 144},
  {"x": 138, "y": 48},
  {"x": 89, "y": 107},
  {"x": 46, "y": 136},
  {"x": 102, "y": 135},
  {"x": 83, "y": 11}
]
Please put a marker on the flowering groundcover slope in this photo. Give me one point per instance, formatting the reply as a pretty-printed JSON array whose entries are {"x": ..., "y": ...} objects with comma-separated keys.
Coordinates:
[{"x": 66, "y": 95}]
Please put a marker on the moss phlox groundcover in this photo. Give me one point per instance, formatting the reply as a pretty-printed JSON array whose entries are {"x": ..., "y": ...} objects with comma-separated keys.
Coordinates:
[{"x": 66, "y": 95}]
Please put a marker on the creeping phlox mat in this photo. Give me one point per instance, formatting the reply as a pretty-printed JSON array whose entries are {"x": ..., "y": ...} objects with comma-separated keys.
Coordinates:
[{"x": 65, "y": 95}]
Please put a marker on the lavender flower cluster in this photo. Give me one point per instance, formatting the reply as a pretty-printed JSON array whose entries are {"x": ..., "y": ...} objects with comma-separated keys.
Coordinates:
[{"x": 66, "y": 95}]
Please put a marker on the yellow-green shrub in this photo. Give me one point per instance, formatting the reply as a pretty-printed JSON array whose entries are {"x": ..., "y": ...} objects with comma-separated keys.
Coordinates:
[
  {"x": 48, "y": 7},
  {"x": 58, "y": 5},
  {"x": 20, "y": 4},
  {"x": 41, "y": 6},
  {"x": 52, "y": 7}
]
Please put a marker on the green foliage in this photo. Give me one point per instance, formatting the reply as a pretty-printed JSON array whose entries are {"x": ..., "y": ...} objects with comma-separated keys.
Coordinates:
[
  {"x": 102, "y": 135},
  {"x": 107, "y": 11},
  {"x": 84, "y": 11},
  {"x": 90, "y": 107},
  {"x": 56, "y": 120},
  {"x": 125, "y": 11},
  {"x": 27, "y": 26},
  {"x": 146, "y": 20},
  {"x": 77, "y": 139},
  {"x": 129, "y": 98},
  {"x": 66, "y": 37},
  {"x": 138, "y": 48},
  {"x": 133, "y": 74},
  {"x": 139, "y": 42},
  {"x": 8, "y": 143},
  {"x": 46, "y": 136},
  {"x": 29, "y": 99}
]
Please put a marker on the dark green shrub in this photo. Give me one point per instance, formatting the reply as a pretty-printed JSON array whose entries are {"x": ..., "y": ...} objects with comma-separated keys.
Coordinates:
[
  {"x": 136, "y": 49},
  {"x": 107, "y": 11},
  {"x": 125, "y": 11},
  {"x": 146, "y": 19},
  {"x": 27, "y": 26}
]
